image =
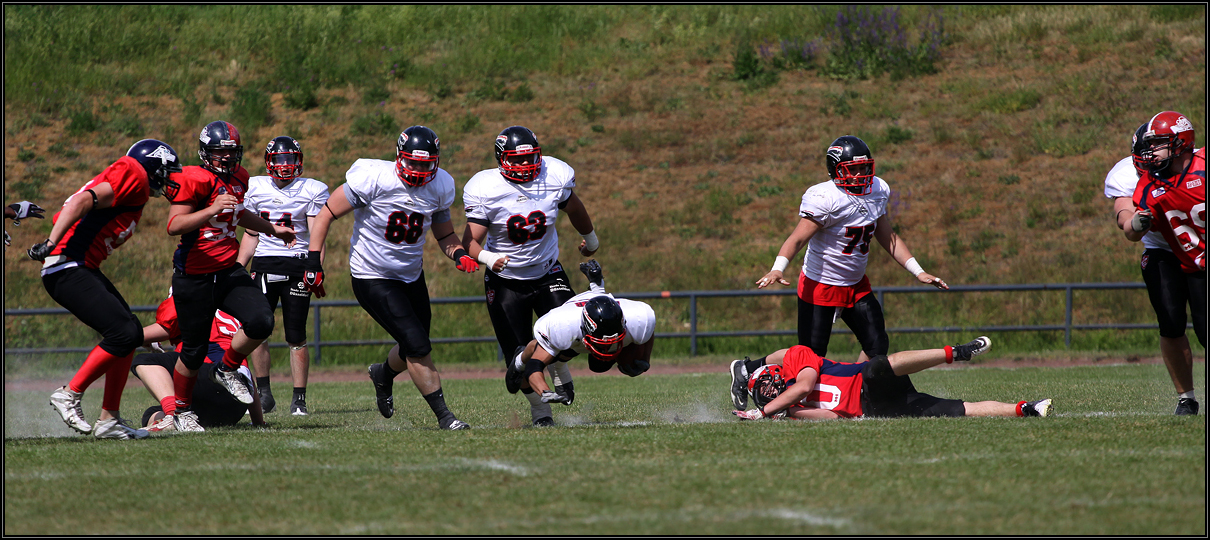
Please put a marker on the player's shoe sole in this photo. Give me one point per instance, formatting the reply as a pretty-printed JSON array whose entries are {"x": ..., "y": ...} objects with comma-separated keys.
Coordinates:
[
  {"x": 972, "y": 348},
  {"x": 67, "y": 404},
  {"x": 739, "y": 386}
]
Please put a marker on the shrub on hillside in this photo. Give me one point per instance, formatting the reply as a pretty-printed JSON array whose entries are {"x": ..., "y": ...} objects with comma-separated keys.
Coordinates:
[
  {"x": 374, "y": 124},
  {"x": 868, "y": 44},
  {"x": 250, "y": 109}
]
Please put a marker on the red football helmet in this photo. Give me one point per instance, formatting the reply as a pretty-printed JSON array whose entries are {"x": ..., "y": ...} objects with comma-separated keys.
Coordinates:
[
  {"x": 1167, "y": 130},
  {"x": 765, "y": 385}
]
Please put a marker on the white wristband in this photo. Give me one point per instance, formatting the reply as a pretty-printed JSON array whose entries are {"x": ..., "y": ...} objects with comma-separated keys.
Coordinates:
[
  {"x": 590, "y": 241},
  {"x": 489, "y": 258},
  {"x": 781, "y": 263},
  {"x": 914, "y": 267}
]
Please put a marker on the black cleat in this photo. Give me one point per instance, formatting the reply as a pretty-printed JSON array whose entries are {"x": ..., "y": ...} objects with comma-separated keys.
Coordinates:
[
  {"x": 383, "y": 390},
  {"x": 972, "y": 348},
  {"x": 592, "y": 270},
  {"x": 454, "y": 424},
  {"x": 512, "y": 376},
  {"x": 1037, "y": 408},
  {"x": 1186, "y": 407},
  {"x": 545, "y": 421},
  {"x": 739, "y": 385}
]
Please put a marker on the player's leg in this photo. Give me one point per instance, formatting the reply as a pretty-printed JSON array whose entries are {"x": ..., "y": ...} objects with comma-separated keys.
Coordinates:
[
  {"x": 213, "y": 404},
  {"x": 1197, "y": 303},
  {"x": 295, "y": 305},
  {"x": 417, "y": 352},
  {"x": 866, "y": 321},
  {"x": 553, "y": 291},
  {"x": 815, "y": 326},
  {"x": 239, "y": 297},
  {"x": 908, "y": 362},
  {"x": 510, "y": 308},
  {"x": 155, "y": 371},
  {"x": 259, "y": 359},
  {"x": 1168, "y": 290}
]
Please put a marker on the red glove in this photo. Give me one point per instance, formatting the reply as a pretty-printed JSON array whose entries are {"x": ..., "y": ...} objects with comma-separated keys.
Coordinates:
[
  {"x": 313, "y": 275},
  {"x": 464, "y": 262}
]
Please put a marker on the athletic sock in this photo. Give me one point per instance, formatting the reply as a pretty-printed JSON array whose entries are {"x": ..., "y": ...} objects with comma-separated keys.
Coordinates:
[
  {"x": 437, "y": 403},
  {"x": 1189, "y": 395},
  {"x": 300, "y": 394},
  {"x": 752, "y": 365},
  {"x": 232, "y": 359},
  {"x": 391, "y": 373},
  {"x": 95, "y": 365},
  {"x": 169, "y": 405},
  {"x": 263, "y": 384},
  {"x": 949, "y": 354},
  {"x": 183, "y": 386},
  {"x": 1021, "y": 408},
  {"x": 115, "y": 382},
  {"x": 537, "y": 409}
]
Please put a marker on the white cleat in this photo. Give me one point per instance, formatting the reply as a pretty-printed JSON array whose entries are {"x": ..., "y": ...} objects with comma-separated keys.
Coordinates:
[
  {"x": 67, "y": 403},
  {"x": 115, "y": 429},
  {"x": 232, "y": 382},
  {"x": 186, "y": 421}
]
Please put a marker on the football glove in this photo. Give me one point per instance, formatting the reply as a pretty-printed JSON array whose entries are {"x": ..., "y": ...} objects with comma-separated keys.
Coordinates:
[
  {"x": 754, "y": 414},
  {"x": 8, "y": 240},
  {"x": 464, "y": 262},
  {"x": 1140, "y": 222},
  {"x": 39, "y": 251},
  {"x": 26, "y": 209},
  {"x": 554, "y": 397},
  {"x": 313, "y": 274}
]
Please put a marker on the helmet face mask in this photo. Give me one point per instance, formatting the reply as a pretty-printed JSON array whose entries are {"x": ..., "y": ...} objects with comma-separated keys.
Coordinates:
[
  {"x": 1141, "y": 163},
  {"x": 418, "y": 155},
  {"x": 219, "y": 147},
  {"x": 851, "y": 165},
  {"x": 765, "y": 385},
  {"x": 603, "y": 326},
  {"x": 1168, "y": 135},
  {"x": 518, "y": 154},
  {"x": 284, "y": 159},
  {"x": 159, "y": 160}
]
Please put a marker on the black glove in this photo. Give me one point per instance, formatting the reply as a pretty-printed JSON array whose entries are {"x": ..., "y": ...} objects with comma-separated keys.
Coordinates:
[
  {"x": 313, "y": 274},
  {"x": 39, "y": 251}
]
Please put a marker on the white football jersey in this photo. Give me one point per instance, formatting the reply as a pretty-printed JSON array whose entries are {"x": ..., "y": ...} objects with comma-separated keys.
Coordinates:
[
  {"x": 520, "y": 218},
  {"x": 1120, "y": 182},
  {"x": 559, "y": 329},
  {"x": 391, "y": 219},
  {"x": 838, "y": 252},
  {"x": 290, "y": 207}
]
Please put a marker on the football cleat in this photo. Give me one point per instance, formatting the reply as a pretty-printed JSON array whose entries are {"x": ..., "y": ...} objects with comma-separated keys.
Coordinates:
[
  {"x": 739, "y": 384},
  {"x": 383, "y": 390},
  {"x": 165, "y": 423},
  {"x": 1186, "y": 407},
  {"x": 267, "y": 403},
  {"x": 1036, "y": 408},
  {"x": 67, "y": 403},
  {"x": 299, "y": 407},
  {"x": 455, "y": 425},
  {"x": 545, "y": 421},
  {"x": 513, "y": 377},
  {"x": 186, "y": 421},
  {"x": 972, "y": 348},
  {"x": 233, "y": 383},
  {"x": 113, "y": 428},
  {"x": 592, "y": 270}
]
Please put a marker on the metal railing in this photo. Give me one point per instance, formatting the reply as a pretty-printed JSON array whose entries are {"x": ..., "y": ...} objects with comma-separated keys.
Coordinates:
[{"x": 693, "y": 334}]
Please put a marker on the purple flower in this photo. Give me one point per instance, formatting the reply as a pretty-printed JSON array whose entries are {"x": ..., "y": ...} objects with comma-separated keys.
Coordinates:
[{"x": 382, "y": 103}]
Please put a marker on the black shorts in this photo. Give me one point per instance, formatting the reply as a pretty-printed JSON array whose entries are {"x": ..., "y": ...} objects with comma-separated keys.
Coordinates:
[
  {"x": 864, "y": 319},
  {"x": 93, "y": 299},
  {"x": 886, "y": 395},
  {"x": 513, "y": 304},
  {"x": 1170, "y": 290},
  {"x": 197, "y": 296},
  {"x": 402, "y": 309},
  {"x": 214, "y": 405},
  {"x": 295, "y": 300}
]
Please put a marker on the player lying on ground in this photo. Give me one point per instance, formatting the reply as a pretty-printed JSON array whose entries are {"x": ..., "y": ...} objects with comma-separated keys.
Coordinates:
[
  {"x": 806, "y": 386},
  {"x": 612, "y": 332}
]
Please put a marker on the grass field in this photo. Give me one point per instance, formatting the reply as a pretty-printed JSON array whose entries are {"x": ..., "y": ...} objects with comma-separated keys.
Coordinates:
[{"x": 651, "y": 455}]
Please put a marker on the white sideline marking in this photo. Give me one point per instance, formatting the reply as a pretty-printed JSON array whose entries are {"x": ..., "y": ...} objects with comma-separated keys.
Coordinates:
[
  {"x": 298, "y": 443},
  {"x": 806, "y": 517},
  {"x": 496, "y": 466}
]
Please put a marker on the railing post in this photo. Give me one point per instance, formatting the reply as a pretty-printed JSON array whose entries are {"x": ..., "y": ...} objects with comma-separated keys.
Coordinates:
[
  {"x": 692, "y": 325},
  {"x": 1067, "y": 324},
  {"x": 318, "y": 339}
]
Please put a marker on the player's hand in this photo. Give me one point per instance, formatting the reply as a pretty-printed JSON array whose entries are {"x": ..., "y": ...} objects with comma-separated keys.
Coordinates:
[
  {"x": 313, "y": 275},
  {"x": 773, "y": 275},
  {"x": 464, "y": 262},
  {"x": 285, "y": 234},
  {"x": 39, "y": 251},
  {"x": 929, "y": 279},
  {"x": 753, "y": 414},
  {"x": 1201, "y": 261},
  {"x": 554, "y": 397},
  {"x": 1141, "y": 221},
  {"x": 584, "y": 249},
  {"x": 223, "y": 203},
  {"x": 500, "y": 264},
  {"x": 26, "y": 209},
  {"x": 154, "y": 347},
  {"x": 8, "y": 240}
]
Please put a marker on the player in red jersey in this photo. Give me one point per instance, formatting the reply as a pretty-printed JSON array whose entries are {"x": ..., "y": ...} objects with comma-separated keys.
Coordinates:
[
  {"x": 1171, "y": 199},
  {"x": 212, "y": 404},
  {"x": 207, "y": 205},
  {"x": 93, "y": 222},
  {"x": 798, "y": 383}
]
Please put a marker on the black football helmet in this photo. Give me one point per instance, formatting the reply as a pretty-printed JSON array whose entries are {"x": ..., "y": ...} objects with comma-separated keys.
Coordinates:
[
  {"x": 418, "y": 153},
  {"x": 1137, "y": 149},
  {"x": 766, "y": 384},
  {"x": 220, "y": 148},
  {"x": 284, "y": 158},
  {"x": 851, "y": 165},
  {"x": 158, "y": 159},
  {"x": 519, "y": 154},
  {"x": 603, "y": 326}
]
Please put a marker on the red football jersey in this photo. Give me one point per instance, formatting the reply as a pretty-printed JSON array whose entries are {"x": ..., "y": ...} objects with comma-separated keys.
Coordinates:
[
  {"x": 213, "y": 246},
  {"x": 838, "y": 388},
  {"x": 102, "y": 230},
  {"x": 221, "y": 331},
  {"x": 1178, "y": 209}
]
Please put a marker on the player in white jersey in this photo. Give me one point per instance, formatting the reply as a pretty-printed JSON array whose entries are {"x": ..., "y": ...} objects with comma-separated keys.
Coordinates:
[
  {"x": 1166, "y": 282},
  {"x": 609, "y": 330},
  {"x": 511, "y": 213},
  {"x": 838, "y": 219},
  {"x": 393, "y": 204},
  {"x": 285, "y": 198}
]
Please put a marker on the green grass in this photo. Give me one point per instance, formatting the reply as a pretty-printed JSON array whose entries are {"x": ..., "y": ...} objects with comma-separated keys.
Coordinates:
[{"x": 650, "y": 455}]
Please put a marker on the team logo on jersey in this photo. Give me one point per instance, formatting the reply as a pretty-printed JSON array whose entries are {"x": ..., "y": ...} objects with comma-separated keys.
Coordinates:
[
  {"x": 166, "y": 156},
  {"x": 1157, "y": 192},
  {"x": 1196, "y": 182},
  {"x": 221, "y": 190},
  {"x": 278, "y": 202},
  {"x": 522, "y": 198}
]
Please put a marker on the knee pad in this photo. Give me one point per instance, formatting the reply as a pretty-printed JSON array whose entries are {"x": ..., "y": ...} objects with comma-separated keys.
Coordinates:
[
  {"x": 880, "y": 368},
  {"x": 124, "y": 340},
  {"x": 194, "y": 357},
  {"x": 258, "y": 327},
  {"x": 533, "y": 366}
]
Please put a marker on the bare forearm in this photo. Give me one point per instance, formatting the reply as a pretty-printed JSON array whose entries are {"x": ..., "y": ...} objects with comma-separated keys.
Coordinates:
[{"x": 183, "y": 223}]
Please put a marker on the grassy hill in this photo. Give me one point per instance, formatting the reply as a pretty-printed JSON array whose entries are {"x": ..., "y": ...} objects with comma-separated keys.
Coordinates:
[{"x": 693, "y": 130}]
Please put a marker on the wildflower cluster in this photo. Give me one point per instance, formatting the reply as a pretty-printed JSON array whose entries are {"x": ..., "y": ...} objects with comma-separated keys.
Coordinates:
[{"x": 867, "y": 43}]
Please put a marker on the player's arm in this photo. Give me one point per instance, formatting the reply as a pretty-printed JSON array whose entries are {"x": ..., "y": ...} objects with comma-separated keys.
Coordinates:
[
  {"x": 578, "y": 215},
  {"x": 337, "y": 206},
  {"x": 247, "y": 247},
  {"x": 1133, "y": 222},
  {"x": 898, "y": 249},
  {"x": 183, "y": 217},
  {"x": 472, "y": 241},
  {"x": 798, "y": 238},
  {"x": 251, "y": 221},
  {"x": 323, "y": 252},
  {"x": 256, "y": 410},
  {"x": 535, "y": 359},
  {"x": 76, "y": 206},
  {"x": 443, "y": 232}
]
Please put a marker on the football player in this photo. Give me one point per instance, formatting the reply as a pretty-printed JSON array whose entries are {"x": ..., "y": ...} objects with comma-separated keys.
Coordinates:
[
  {"x": 837, "y": 220},
  {"x": 212, "y": 404},
  {"x": 207, "y": 206},
  {"x": 1171, "y": 198},
  {"x": 393, "y": 206},
  {"x": 96, "y": 220},
  {"x": 511, "y": 213},
  {"x": 1166, "y": 283},
  {"x": 800, "y": 384},
  {"x": 611, "y": 331},
  {"x": 286, "y": 198}
]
